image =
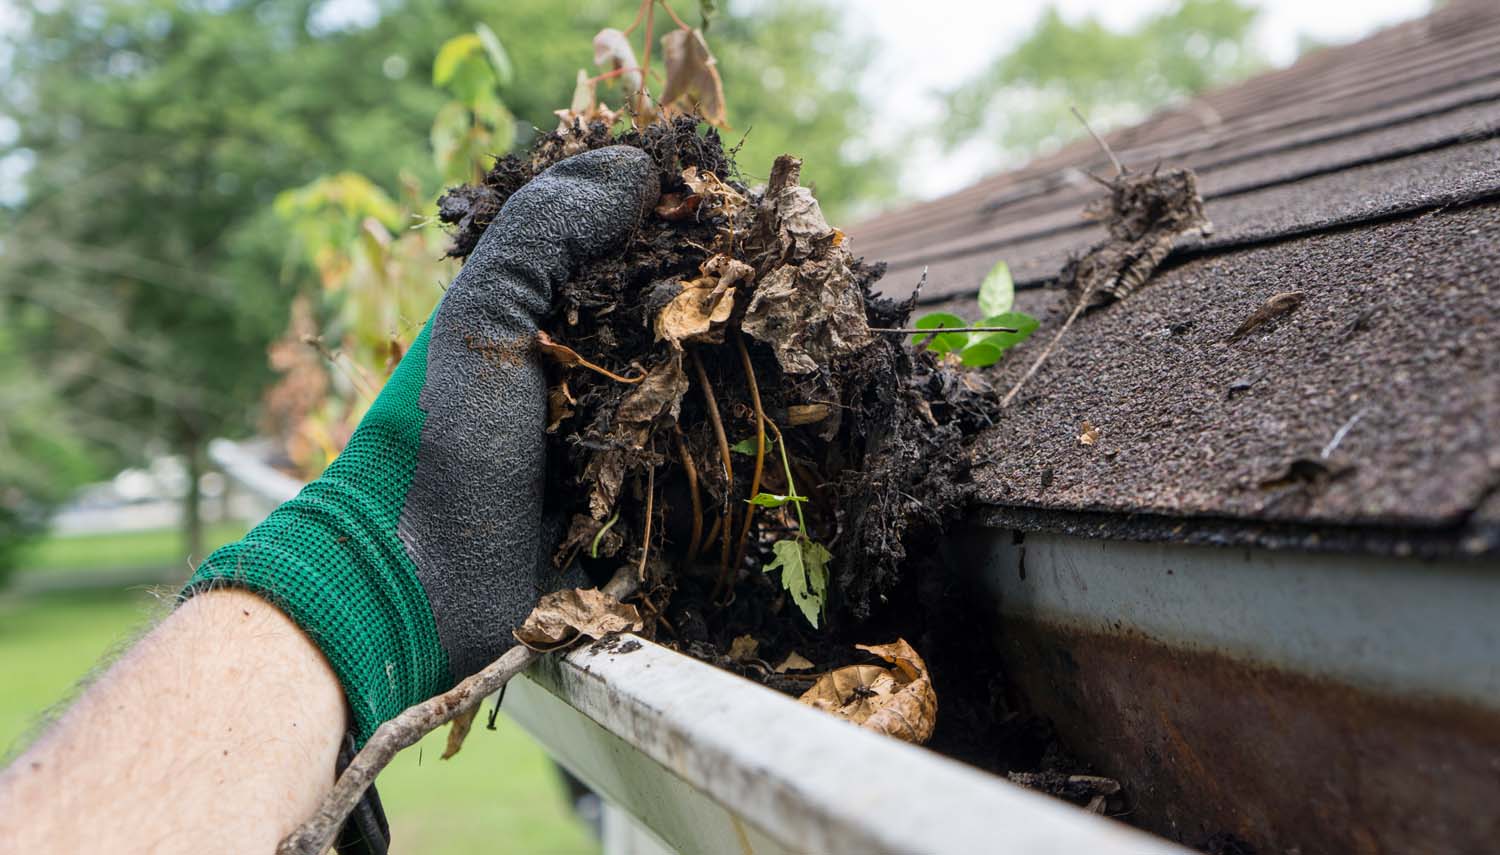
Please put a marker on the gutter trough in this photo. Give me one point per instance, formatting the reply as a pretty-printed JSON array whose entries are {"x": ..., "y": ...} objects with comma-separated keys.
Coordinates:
[{"x": 1289, "y": 701}]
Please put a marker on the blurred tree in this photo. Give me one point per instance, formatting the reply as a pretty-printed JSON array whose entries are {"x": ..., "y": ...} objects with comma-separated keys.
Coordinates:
[
  {"x": 1022, "y": 100},
  {"x": 151, "y": 137}
]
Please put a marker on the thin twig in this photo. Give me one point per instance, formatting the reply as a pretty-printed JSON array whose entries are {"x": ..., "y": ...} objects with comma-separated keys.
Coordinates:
[
  {"x": 691, "y": 471},
  {"x": 1083, "y": 300},
  {"x": 315, "y": 836},
  {"x": 680, "y": 24},
  {"x": 1119, "y": 167},
  {"x": 718, "y": 423},
  {"x": 639, "y": 13},
  {"x": 650, "y": 33},
  {"x": 916, "y": 331},
  {"x": 760, "y": 458},
  {"x": 1338, "y": 436}
]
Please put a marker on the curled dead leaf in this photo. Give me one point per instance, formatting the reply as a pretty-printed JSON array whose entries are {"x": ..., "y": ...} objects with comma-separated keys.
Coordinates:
[
  {"x": 743, "y": 647},
  {"x": 675, "y": 206},
  {"x": 700, "y": 309},
  {"x": 898, "y": 701},
  {"x": 693, "y": 84},
  {"x": 659, "y": 394},
  {"x": 562, "y": 617},
  {"x": 560, "y": 403},
  {"x": 809, "y": 314}
]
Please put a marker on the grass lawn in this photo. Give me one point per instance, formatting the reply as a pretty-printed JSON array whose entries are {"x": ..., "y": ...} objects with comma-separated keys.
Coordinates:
[
  {"x": 499, "y": 795},
  {"x": 153, "y": 549}
]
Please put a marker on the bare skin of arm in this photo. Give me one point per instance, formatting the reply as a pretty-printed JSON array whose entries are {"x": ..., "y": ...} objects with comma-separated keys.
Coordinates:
[{"x": 217, "y": 732}]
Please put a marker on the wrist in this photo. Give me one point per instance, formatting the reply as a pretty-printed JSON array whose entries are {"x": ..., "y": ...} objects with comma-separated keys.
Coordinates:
[{"x": 332, "y": 561}]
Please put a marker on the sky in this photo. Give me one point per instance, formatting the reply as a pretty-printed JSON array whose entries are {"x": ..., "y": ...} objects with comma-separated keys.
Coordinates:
[{"x": 925, "y": 47}]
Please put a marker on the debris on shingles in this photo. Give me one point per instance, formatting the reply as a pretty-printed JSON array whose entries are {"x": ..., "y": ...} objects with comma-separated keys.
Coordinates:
[
  {"x": 898, "y": 701},
  {"x": 1091, "y": 792},
  {"x": 1144, "y": 214},
  {"x": 1275, "y": 307},
  {"x": 1312, "y": 473},
  {"x": 1087, "y": 433}
]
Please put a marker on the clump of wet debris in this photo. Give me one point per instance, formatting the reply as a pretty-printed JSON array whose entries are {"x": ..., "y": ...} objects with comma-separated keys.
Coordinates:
[
  {"x": 733, "y": 352},
  {"x": 733, "y": 414}
]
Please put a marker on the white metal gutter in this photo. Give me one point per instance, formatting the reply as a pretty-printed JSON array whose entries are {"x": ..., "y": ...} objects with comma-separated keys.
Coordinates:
[{"x": 713, "y": 763}]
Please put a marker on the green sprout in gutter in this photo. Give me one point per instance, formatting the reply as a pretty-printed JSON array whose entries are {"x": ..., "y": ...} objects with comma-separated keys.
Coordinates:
[
  {"x": 979, "y": 349},
  {"x": 803, "y": 562}
]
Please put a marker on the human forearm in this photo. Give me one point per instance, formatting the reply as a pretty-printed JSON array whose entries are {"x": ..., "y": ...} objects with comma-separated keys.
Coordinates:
[{"x": 218, "y": 731}]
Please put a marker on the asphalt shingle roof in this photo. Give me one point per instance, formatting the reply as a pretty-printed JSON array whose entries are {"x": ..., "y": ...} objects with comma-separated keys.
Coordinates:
[{"x": 1366, "y": 177}]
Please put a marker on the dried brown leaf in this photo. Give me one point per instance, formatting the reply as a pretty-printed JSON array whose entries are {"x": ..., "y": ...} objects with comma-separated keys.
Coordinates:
[
  {"x": 693, "y": 84},
  {"x": 675, "y": 206},
  {"x": 560, "y": 403},
  {"x": 809, "y": 314},
  {"x": 794, "y": 661},
  {"x": 743, "y": 647},
  {"x": 1087, "y": 433},
  {"x": 560, "y": 618},
  {"x": 659, "y": 394},
  {"x": 1275, "y": 307},
  {"x": 898, "y": 701},
  {"x": 458, "y": 731},
  {"x": 806, "y": 414}
]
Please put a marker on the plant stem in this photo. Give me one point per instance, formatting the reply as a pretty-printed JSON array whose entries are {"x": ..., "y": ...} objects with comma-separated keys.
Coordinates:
[
  {"x": 680, "y": 24},
  {"x": 691, "y": 471},
  {"x": 791, "y": 486},
  {"x": 640, "y": 570},
  {"x": 760, "y": 444},
  {"x": 724, "y": 457}
]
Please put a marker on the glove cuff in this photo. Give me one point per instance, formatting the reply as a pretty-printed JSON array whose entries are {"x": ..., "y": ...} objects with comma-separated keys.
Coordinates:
[{"x": 332, "y": 560}]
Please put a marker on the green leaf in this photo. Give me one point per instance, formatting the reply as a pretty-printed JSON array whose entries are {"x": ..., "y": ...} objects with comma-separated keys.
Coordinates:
[
  {"x": 944, "y": 342},
  {"x": 998, "y": 291},
  {"x": 499, "y": 59},
  {"x": 449, "y": 128},
  {"x": 981, "y": 354},
  {"x": 453, "y": 52},
  {"x": 804, "y": 574},
  {"x": 744, "y": 446},
  {"x": 773, "y": 500},
  {"x": 473, "y": 81},
  {"x": 1023, "y": 323}
]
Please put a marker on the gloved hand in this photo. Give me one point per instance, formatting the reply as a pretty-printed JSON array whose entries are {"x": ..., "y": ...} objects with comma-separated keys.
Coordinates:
[{"x": 413, "y": 557}]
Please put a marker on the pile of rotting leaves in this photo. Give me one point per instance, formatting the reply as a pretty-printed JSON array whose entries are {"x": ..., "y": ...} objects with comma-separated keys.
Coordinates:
[{"x": 737, "y": 324}]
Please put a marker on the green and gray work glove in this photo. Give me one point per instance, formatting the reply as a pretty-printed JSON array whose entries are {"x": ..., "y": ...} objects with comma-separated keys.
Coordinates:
[{"x": 413, "y": 557}]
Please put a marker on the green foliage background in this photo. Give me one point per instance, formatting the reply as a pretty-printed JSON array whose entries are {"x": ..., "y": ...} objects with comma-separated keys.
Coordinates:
[
  {"x": 1022, "y": 101},
  {"x": 143, "y": 273}
]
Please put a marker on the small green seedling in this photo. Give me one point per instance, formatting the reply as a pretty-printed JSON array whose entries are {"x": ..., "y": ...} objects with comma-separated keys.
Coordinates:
[
  {"x": 803, "y": 563},
  {"x": 980, "y": 349}
]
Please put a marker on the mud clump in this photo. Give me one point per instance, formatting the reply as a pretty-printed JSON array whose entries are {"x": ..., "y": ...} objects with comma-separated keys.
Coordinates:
[{"x": 734, "y": 317}]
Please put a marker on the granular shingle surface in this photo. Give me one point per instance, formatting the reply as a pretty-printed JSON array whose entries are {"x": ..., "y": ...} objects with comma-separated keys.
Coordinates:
[{"x": 1365, "y": 177}]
